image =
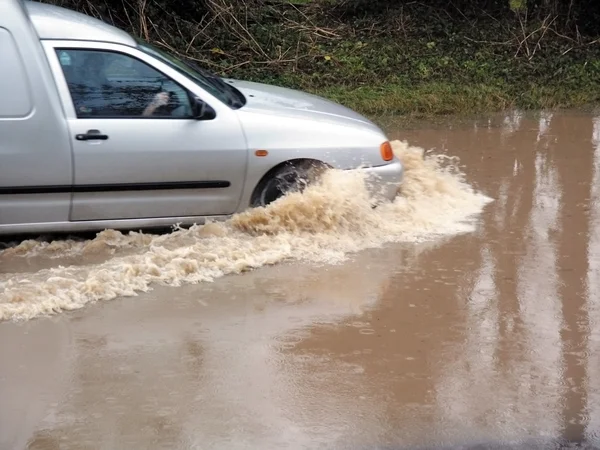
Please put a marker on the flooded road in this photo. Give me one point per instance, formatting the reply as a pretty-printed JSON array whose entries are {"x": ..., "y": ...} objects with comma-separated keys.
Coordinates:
[{"x": 445, "y": 320}]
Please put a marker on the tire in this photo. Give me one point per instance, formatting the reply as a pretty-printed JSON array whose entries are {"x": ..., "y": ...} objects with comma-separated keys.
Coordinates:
[{"x": 288, "y": 178}]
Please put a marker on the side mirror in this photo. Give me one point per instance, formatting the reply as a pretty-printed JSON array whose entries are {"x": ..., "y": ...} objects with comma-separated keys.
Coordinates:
[{"x": 202, "y": 110}]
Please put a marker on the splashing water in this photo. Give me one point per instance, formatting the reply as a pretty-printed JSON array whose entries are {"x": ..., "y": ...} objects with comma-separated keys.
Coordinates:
[{"x": 323, "y": 224}]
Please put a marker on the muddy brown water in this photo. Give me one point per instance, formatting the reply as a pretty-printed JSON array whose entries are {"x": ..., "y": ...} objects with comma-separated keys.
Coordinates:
[{"x": 448, "y": 332}]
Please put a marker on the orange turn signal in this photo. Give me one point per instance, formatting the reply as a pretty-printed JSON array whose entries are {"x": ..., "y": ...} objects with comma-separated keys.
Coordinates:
[
  {"x": 261, "y": 153},
  {"x": 386, "y": 151}
]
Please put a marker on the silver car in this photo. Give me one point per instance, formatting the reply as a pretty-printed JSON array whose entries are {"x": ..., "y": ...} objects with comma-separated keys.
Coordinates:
[{"x": 101, "y": 130}]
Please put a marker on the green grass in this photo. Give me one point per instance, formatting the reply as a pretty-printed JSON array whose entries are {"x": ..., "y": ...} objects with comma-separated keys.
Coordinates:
[
  {"x": 437, "y": 98},
  {"x": 421, "y": 101}
]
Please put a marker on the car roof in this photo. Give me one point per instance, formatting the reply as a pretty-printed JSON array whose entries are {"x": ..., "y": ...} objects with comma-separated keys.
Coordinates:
[{"x": 54, "y": 22}]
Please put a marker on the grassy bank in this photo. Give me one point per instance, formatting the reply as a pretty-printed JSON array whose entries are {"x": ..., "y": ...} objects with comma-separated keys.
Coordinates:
[
  {"x": 431, "y": 99},
  {"x": 378, "y": 56}
]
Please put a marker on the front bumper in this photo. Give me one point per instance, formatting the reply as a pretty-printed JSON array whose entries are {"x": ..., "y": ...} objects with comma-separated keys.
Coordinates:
[{"x": 383, "y": 181}]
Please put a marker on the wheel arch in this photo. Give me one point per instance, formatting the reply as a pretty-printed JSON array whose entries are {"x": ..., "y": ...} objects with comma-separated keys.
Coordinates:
[{"x": 297, "y": 162}]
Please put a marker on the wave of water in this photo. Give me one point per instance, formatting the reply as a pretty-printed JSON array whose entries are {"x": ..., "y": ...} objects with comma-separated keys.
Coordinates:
[{"x": 323, "y": 224}]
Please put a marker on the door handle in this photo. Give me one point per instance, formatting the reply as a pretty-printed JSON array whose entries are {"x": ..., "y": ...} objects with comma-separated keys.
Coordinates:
[{"x": 91, "y": 135}]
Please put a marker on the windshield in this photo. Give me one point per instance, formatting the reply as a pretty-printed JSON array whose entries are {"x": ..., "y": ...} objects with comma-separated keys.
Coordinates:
[{"x": 206, "y": 80}]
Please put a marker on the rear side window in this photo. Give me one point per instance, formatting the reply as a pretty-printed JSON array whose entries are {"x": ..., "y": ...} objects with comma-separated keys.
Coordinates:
[
  {"x": 14, "y": 91},
  {"x": 107, "y": 84}
]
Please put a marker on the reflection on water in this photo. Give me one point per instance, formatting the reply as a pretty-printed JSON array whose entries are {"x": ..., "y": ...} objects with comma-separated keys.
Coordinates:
[
  {"x": 523, "y": 365},
  {"x": 489, "y": 337},
  {"x": 512, "y": 122},
  {"x": 576, "y": 174}
]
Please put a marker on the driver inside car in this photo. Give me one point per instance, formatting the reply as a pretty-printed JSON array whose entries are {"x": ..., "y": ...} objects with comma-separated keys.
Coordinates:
[
  {"x": 93, "y": 93},
  {"x": 160, "y": 99}
]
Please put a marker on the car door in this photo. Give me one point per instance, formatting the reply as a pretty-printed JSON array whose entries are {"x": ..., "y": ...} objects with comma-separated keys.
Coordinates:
[{"x": 131, "y": 165}]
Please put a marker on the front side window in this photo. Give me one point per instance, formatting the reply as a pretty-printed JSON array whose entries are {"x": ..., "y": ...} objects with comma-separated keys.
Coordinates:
[
  {"x": 107, "y": 84},
  {"x": 206, "y": 80}
]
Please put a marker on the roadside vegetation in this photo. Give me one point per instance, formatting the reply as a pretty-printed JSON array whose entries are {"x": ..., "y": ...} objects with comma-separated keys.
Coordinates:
[{"x": 414, "y": 58}]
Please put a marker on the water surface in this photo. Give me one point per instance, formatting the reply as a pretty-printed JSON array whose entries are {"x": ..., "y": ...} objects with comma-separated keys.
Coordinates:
[{"x": 442, "y": 321}]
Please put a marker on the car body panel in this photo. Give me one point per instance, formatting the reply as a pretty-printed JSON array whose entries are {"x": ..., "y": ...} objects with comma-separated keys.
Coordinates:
[
  {"x": 34, "y": 142},
  {"x": 212, "y": 160},
  {"x": 275, "y": 100},
  {"x": 340, "y": 146}
]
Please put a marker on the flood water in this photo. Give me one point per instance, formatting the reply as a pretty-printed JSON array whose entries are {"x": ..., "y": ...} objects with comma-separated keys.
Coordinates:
[{"x": 464, "y": 315}]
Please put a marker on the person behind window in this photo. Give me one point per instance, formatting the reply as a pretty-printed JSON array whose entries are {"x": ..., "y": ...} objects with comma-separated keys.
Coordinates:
[
  {"x": 129, "y": 64},
  {"x": 93, "y": 95},
  {"x": 160, "y": 99}
]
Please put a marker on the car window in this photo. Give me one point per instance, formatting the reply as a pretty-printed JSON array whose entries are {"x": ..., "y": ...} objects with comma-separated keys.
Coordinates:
[
  {"x": 115, "y": 85},
  {"x": 206, "y": 80}
]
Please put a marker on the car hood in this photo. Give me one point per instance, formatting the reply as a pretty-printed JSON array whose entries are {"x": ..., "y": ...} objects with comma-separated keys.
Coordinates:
[{"x": 271, "y": 99}]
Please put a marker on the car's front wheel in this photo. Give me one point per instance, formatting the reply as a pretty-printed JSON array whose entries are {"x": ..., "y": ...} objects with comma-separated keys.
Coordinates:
[{"x": 287, "y": 178}]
